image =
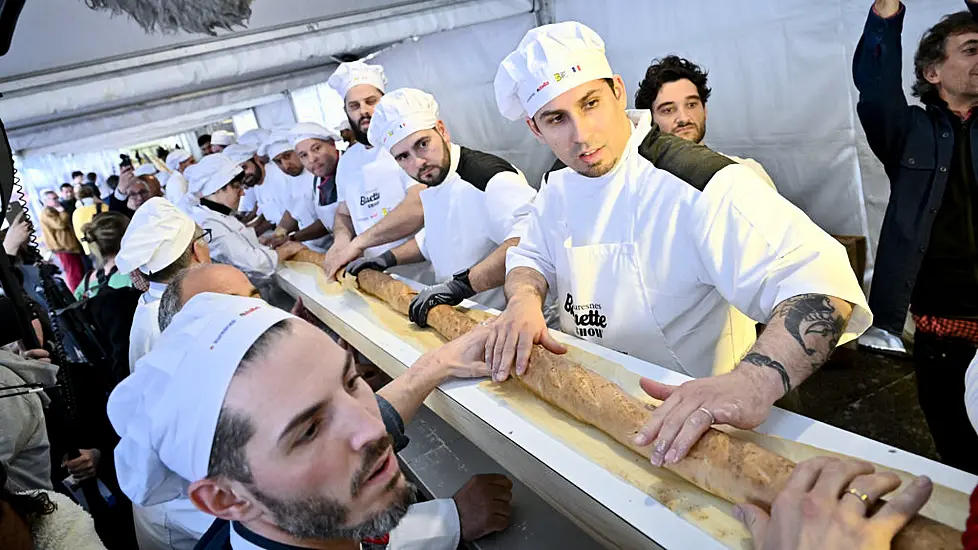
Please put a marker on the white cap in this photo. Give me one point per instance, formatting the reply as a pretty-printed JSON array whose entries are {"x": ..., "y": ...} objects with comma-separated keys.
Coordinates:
[
  {"x": 308, "y": 130},
  {"x": 549, "y": 61},
  {"x": 175, "y": 157},
  {"x": 255, "y": 137},
  {"x": 166, "y": 411},
  {"x": 211, "y": 174},
  {"x": 354, "y": 73},
  {"x": 275, "y": 136},
  {"x": 239, "y": 152},
  {"x": 400, "y": 114},
  {"x": 145, "y": 169},
  {"x": 222, "y": 137},
  {"x": 158, "y": 234},
  {"x": 343, "y": 125}
]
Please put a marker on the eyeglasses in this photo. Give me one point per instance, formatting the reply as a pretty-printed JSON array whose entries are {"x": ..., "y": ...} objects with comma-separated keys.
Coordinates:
[{"x": 206, "y": 235}]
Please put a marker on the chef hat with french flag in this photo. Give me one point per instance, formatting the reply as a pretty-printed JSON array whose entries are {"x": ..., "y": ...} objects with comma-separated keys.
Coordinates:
[
  {"x": 400, "y": 114},
  {"x": 549, "y": 61}
]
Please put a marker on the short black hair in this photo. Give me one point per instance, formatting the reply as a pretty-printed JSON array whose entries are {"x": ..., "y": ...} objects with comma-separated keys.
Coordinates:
[
  {"x": 63, "y": 185},
  {"x": 203, "y": 139},
  {"x": 112, "y": 181},
  {"x": 91, "y": 176},
  {"x": 77, "y": 174},
  {"x": 669, "y": 69},
  {"x": 234, "y": 430},
  {"x": 933, "y": 50}
]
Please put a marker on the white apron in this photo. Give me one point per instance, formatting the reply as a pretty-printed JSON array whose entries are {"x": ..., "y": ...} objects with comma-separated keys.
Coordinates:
[
  {"x": 602, "y": 298},
  {"x": 455, "y": 237}
]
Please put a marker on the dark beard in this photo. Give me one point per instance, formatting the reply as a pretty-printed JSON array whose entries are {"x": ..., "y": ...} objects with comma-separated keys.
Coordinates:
[
  {"x": 442, "y": 170},
  {"x": 358, "y": 133},
  {"x": 323, "y": 518},
  {"x": 251, "y": 180}
]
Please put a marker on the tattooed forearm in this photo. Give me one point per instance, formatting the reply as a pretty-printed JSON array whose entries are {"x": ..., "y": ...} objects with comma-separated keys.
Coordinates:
[
  {"x": 812, "y": 315},
  {"x": 765, "y": 361}
]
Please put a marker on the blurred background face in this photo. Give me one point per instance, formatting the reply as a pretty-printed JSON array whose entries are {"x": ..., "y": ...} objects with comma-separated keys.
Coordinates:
[
  {"x": 187, "y": 164},
  {"x": 586, "y": 127},
  {"x": 253, "y": 173},
  {"x": 51, "y": 199},
  {"x": 318, "y": 156},
  {"x": 215, "y": 148},
  {"x": 205, "y": 149},
  {"x": 679, "y": 110},
  {"x": 67, "y": 193},
  {"x": 230, "y": 195},
  {"x": 322, "y": 463},
  {"x": 360, "y": 103},
  {"x": 289, "y": 163},
  {"x": 425, "y": 155}
]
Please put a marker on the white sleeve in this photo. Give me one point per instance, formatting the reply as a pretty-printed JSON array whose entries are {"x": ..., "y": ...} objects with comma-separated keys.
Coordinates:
[
  {"x": 758, "y": 250},
  {"x": 249, "y": 201},
  {"x": 507, "y": 196},
  {"x": 432, "y": 525},
  {"x": 419, "y": 237},
  {"x": 759, "y": 170},
  {"x": 535, "y": 249},
  {"x": 971, "y": 392},
  {"x": 231, "y": 247}
]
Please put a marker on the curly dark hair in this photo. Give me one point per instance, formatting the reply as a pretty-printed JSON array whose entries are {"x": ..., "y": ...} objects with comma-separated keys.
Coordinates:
[
  {"x": 29, "y": 506},
  {"x": 933, "y": 50},
  {"x": 669, "y": 69}
]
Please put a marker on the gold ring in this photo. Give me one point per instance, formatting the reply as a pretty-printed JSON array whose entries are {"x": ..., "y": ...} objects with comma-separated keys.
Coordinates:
[
  {"x": 713, "y": 419},
  {"x": 861, "y": 496}
]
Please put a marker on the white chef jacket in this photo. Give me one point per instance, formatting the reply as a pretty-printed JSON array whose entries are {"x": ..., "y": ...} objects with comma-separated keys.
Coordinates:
[
  {"x": 173, "y": 525},
  {"x": 755, "y": 166},
  {"x": 176, "y": 187},
  {"x": 371, "y": 184},
  {"x": 471, "y": 213},
  {"x": 145, "y": 323},
  {"x": 303, "y": 206},
  {"x": 705, "y": 234},
  {"x": 249, "y": 201},
  {"x": 431, "y": 525},
  {"x": 274, "y": 195},
  {"x": 234, "y": 243}
]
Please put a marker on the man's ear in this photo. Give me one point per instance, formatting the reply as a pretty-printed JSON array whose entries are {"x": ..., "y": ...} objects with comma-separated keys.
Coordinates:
[
  {"x": 443, "y": 130},
  {"x": 201, "y": 254},
  {"x": 535, "y": 129},
  {"x": 620, "y": 93},
  {"x": 223, "y": 500},
  {"x": 932, "y": 74}
]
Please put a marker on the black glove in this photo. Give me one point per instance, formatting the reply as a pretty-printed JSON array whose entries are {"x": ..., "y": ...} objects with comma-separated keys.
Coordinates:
[
  {"x": 379, "y": 263},
  {"x": 451, "y": 293}
]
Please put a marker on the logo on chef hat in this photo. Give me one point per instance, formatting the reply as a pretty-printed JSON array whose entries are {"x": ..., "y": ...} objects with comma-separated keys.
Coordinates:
[{"x": 563, "y": 74}]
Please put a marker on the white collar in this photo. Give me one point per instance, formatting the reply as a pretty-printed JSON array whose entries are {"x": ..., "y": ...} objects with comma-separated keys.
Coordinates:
[
  {"x": 156, "y": 290},
  {"x": 87, "y": 201},
  {"x": 455, "y": 154}
]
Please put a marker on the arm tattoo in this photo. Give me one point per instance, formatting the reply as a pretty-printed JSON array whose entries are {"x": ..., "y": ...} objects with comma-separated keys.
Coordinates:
[
  {"x": 812, "y": 314},
  {"x": 765, "y": 361}
]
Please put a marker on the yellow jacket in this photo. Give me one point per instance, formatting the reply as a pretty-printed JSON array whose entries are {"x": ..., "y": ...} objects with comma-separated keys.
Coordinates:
[
  {"x": 56, "y": 228},
  {"x": 82, "y": 215}
]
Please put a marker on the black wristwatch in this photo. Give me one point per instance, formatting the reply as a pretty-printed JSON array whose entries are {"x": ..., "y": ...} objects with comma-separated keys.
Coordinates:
[{"x": 463, "y": 276}]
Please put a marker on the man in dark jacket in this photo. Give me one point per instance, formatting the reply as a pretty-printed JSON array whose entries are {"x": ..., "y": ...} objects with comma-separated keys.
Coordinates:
[{"x": 928, "y": 257}]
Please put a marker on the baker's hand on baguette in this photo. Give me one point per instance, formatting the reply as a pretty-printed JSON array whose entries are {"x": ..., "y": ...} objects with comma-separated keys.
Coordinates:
[
  {"x": 514, "y": 333},
  {"x": 464, "y": 357},
  {"x": 737, "y": 398},
  {"x": 823, "y": 506}
]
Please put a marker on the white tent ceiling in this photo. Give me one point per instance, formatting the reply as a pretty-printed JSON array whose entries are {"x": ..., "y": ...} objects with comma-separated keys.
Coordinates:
[{"x": 102, "y": 78}]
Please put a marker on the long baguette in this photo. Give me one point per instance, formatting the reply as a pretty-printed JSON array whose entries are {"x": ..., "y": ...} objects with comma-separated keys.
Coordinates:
[{"x": 730, "y": 468}]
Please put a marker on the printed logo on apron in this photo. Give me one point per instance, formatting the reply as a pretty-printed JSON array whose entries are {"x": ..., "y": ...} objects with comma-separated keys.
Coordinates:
[
  {"x": 588, "y": 320},
  {"x": 371, "y": 200}
]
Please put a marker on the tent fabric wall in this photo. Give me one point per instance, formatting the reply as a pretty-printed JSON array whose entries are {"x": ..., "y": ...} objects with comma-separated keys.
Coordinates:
[
  {"x": 458, "y": 67},
  {"x": 275, "y": 114}
]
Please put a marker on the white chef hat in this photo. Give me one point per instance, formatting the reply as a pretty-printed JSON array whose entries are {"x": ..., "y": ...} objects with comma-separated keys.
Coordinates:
[
  {"x": 175, "y": 157},
  {"x": 145, "y": 169},
  {"x": 400, "y": 114},
  {"x": 549, "y": 61},
  {"x": 211, "y": 174},
  {"x": 222, "y": 137},
  {"x": 166, "y": 411},
  {"x": 158, "y": 234},
  {"x": 343, "y": 125},
  {"x": 308, "y": 130},
  {"x": 255, "y": 137},
  {"x": 240, "y": 152},
  {"x": 354, "y": 73}
]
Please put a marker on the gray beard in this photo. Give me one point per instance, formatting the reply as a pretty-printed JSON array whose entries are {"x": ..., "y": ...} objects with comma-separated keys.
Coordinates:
[
  {"x": 193, "y": 16},
  {"x": 322, "y": 518}
]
